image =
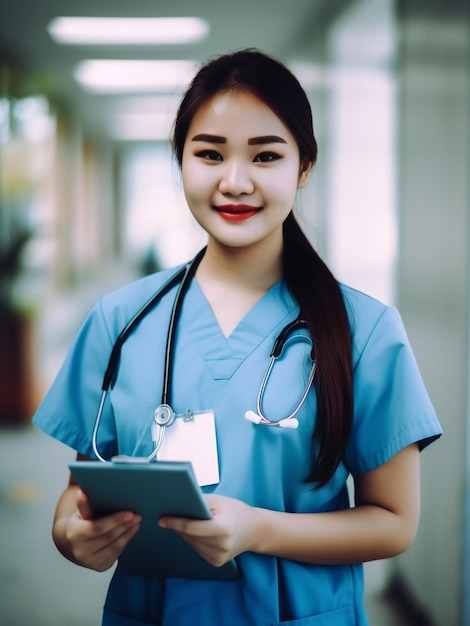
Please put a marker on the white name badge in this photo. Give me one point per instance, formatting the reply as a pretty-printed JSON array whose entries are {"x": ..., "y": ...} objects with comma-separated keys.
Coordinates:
[{"x": 192, "y": 438}]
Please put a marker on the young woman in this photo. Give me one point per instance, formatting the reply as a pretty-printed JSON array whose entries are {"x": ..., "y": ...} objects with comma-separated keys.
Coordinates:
[{"x": 244, "y": 140}]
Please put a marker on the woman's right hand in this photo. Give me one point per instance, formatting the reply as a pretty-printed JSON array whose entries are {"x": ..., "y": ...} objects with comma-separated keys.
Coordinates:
[{"x": 89, "y": 542}]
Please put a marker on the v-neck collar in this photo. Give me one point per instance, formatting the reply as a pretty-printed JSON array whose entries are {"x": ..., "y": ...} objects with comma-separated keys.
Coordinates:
[{"x": 223, "y": 355}]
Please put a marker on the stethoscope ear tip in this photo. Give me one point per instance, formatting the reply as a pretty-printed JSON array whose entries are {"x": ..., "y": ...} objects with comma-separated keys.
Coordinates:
[
  {"x": 290, "y": 422},
  {"x": 255, "y": 418},
  {"x": 251, "y": 416}
]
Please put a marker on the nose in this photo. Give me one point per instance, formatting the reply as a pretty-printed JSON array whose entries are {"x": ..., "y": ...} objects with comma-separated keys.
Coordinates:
[{"x": 236, "y": 179}]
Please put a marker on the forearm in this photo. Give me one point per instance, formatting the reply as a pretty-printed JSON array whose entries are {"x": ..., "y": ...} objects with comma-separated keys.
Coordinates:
[
  {"x": 363, "y": 533},
  {"x": 383, "y": 523}
]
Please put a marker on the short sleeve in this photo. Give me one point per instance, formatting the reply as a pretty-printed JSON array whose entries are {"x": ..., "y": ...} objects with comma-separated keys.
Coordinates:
[
  {"x": 69, "y": 409},
  {"x": 70, "y": 406},
  {"x": 392, "y": 407}
]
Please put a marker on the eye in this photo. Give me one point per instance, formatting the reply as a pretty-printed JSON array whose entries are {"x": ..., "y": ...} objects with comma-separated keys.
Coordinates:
[
  {"x": 266, "y": 157},
  {"x": 209, "y": 155}
]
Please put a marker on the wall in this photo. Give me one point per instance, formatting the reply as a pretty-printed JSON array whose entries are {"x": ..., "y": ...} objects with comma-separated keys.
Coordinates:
[{"x": 434, "y": 159}]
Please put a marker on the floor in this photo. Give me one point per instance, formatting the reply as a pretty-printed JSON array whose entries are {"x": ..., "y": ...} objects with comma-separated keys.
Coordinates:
[{"x": 39, "y": 587}]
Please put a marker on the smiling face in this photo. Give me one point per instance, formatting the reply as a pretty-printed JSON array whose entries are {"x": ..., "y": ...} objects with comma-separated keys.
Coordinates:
[{"x": 241, "y": 170}]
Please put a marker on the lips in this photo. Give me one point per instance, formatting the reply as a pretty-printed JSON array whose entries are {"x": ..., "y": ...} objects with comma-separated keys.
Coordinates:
[{"x": 236, "y": 212}]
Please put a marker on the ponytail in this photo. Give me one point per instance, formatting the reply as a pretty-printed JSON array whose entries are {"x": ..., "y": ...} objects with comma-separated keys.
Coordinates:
[{"x": 321, "y": 302}]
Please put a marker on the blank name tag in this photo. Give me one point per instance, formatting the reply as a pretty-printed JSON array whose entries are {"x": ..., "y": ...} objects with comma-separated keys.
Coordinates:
[{"x": 192, "y": 438}]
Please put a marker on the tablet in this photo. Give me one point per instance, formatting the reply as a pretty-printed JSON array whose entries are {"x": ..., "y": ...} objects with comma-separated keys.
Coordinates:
[{"x": 152, "y": 490}]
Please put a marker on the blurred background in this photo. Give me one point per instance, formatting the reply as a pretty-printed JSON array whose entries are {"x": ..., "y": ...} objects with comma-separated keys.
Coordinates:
[{"x": 90, "y": 199}]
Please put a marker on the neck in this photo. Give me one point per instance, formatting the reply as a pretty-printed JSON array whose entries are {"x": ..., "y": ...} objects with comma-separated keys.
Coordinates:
[
  {"x": 252, "y": 267},
  {"x": 235, "y": 279}
]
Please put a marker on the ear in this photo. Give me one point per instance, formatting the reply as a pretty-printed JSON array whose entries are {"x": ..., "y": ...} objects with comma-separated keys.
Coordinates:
[{"x": 305, "y": 169}]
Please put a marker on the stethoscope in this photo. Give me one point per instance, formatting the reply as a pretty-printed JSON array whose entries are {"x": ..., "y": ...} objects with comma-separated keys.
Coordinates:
[{"x": 164, "y": 416}]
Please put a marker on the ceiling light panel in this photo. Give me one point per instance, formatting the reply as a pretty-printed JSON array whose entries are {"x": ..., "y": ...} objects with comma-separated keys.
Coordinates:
[
  {"x": 121, "y": 76},
  {"x": 126, "y": 30}
]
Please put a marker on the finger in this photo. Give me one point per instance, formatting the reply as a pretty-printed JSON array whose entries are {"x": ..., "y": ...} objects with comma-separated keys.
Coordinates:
[
  {"x": 108, "y": 529},
  {"x": 105, "y": 556},
  {"x": 83, "y": 506},
  {"x": 104, "y": 540},
  {"x": 213, "y": 500},
  {"x": 183, "y": 525},
  {"x": 213, "y": 551},
  {"x": 90, "y": 536}
]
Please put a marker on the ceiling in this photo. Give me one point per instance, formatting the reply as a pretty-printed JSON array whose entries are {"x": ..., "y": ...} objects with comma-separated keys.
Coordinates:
[{"x": 279, "y": 27}]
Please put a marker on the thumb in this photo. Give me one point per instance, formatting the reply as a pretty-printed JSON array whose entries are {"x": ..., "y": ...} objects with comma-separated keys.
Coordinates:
[{"x": 83, "y": 506}]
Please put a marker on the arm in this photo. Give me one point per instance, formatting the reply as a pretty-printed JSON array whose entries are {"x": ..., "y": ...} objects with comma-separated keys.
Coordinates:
[
  {"x": 382, "y": 524},
  {"x": 95, "y": 544}
]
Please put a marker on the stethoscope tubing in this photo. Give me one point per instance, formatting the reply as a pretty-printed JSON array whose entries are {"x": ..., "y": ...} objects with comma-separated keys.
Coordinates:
[
  {"x": 168, "y": 367},
  {"x": 279, "y": 345},
  {"x": 184, "y": 276}
]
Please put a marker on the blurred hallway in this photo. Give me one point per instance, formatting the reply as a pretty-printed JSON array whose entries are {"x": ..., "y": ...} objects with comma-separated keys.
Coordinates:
[{"x": 37, "y": 586}]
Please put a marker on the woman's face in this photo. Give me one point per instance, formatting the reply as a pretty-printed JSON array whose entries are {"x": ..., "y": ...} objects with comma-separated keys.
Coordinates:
[{"x": 240, "y": 170}]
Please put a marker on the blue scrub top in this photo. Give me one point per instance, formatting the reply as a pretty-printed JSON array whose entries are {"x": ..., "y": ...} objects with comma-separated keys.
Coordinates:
[{"x": 262, "y": 466}]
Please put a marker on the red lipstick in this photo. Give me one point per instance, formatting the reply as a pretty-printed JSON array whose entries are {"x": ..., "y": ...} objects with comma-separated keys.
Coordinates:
[{"x": 236, "y": 212}]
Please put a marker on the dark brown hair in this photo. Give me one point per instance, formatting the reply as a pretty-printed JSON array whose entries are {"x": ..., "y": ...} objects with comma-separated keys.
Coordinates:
[{"x": 307, "y": 276}]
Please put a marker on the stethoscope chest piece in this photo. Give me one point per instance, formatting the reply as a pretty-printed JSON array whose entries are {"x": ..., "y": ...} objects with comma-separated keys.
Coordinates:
[{"x": 164, "y": 415}]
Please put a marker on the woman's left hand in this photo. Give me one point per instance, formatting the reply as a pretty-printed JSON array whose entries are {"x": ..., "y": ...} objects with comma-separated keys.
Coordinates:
[{"x": 225, "y": 536}]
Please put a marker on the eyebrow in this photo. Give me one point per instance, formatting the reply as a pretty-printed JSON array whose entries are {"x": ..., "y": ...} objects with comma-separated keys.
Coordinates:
[
  {"x": 209, "y": 138},
  {"x": 253, "y": 141},
  {"x": 258, "y": 141}
]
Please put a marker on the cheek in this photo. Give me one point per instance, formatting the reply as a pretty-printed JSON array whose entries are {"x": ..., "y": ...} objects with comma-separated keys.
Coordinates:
[
  {"x": 284, "y": 185},
  {"x": 193, "y": 181},
  {"x": 191, "y": 195}
]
